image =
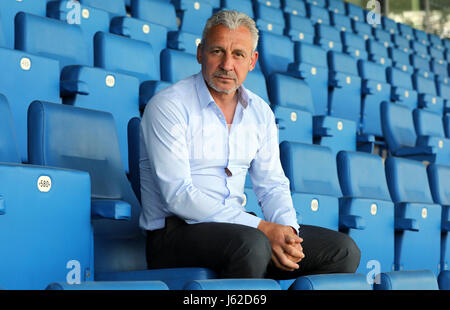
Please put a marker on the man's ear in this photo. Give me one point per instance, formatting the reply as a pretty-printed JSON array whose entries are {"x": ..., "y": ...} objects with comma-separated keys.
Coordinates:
[
  {"x": 254, "y": 59},
  {"x": 199, "y": 53}
]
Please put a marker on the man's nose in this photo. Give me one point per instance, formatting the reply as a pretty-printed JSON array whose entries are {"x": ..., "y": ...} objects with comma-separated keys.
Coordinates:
[{"x": 227, "y": 62}]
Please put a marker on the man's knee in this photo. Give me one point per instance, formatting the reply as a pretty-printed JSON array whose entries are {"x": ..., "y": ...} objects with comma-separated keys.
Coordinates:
[
  {"x": 351, "y": 254},
  {"x": 251, "y": 254}
]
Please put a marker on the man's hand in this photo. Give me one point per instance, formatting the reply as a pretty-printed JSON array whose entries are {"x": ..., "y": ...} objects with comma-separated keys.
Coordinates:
[{"x": 286, "y": 249}]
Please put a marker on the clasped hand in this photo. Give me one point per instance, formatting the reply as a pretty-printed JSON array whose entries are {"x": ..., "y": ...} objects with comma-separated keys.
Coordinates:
[{"x": 287, "y": 251}]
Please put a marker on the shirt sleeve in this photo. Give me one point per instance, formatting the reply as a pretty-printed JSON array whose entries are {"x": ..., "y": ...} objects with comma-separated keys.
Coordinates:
[
  {"x": 164, "y": 129},
  {"x": 270, "y": 184}
]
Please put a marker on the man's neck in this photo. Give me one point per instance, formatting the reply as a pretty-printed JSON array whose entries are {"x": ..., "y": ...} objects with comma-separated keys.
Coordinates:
[{"x": 223, "y": 100}]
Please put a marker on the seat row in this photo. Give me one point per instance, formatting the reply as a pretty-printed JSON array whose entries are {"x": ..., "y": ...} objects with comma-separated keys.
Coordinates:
[{"x": 95, "y": 235}]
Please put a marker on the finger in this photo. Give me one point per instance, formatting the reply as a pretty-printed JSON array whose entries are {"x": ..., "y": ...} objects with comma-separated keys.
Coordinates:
[
  {"x": 293, "y": 239},
  {"x": 294, "y": 250},
  {"x": 282, "y": 258},
  {"x": 279, "y": 265}
]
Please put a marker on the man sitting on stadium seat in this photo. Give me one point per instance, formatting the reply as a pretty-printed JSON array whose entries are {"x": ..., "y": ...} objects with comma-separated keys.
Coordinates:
[{"x": 199, "y": 138}]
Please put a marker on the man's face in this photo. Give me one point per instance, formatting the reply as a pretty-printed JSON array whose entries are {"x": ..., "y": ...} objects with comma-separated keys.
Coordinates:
[{"x": 226, "y": 57}]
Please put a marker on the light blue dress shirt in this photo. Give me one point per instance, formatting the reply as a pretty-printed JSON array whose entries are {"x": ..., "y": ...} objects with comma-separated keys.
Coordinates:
[{"x": 186, "y": 146}]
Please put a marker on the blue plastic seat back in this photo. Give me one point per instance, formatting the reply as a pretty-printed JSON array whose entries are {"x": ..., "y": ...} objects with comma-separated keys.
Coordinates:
[
  {"x": 328, "y": 37},
  {"x": 362, "y": 29},
  {"x": 345, "y": 96},
  {"x": 407, "y": 280},
  {"x": 375, "y": 90},
  {"x": 354, "y": 45},
  {"x": 299, "y": 28},
  {"x": 51, "y": 38},
  {"x": 336, "y": 6},
  {"x": 402, "y": 90},
  {"x": 362, "y": 175},
  {"x": 341, "y": 22},
  {"x": 438, "y": 177},
  {"x": 400, "y": 60},
  {"x": 428, "y": 98},
  {"x": 9, "y": 10},
  {"x": 158, "y": 12},
  {"x": 114, "y": 7},
  {"x": 47, "y": 236},
  {"x": 269, "y": 19},
  {"x": 192, "y": 15},
  {"x": 83, "y": 139},
  {"x": 276, "y": 53},
  {"x": 107, "y": 91},
  {"x": 294, "y": 7},
  {"x": 251, "y": 203},
  {"x": 311, "y": 66},
  {"x": 401, "y": 43},
  {"x": 9, "y": 151},
  {"x": 383, "y": 37},
  {"x": 389, "y": 25},
  {"x": 310, "y": 168},
  {"x": 274, "y": 4},
  {"x": 355, "y": 12},
  {"x": 39, "y": 79},
  {"x": 428, "y": 123},
  {"x": 317, "y": 14},
  {"x": 378, "y": 52},
  {"x": 421, "y": 50},
  {"x": 407, "y": 180},
  {"x": 284, "y": 90},
  {"x": 109, "y": 286},
  {"x": 406, "y": 31},
  {"x": 447, "y": 124},
  {"x": 154, "y": 34},
  {"x": 436, "y": 54},
  {"x": 91, "y": 20},
  {"x": 421, "y": 66},
  {"x": 256, "y": 83},
  {"x": 233, "y": 284},
  {"x": 177, "y": 65},
  {"x": 319, "y": 3},
  {"x": 398, "y": 126},
  {"x": 239, "y": 5},
  {"x": 184, "y": 41},
  {"x": 331, "y": 282},
  {"x": 421, "y": 36},
  {"x": 125, "y": 55}
]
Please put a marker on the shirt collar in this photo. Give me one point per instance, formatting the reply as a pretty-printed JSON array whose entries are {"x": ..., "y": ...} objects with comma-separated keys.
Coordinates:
[{"x": 205, "y": 96}]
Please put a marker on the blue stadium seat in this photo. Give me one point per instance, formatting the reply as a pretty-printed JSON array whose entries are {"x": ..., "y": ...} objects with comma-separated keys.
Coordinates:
[
  {"x": 244, "y": 6},
  {"x": 345, "y": 87},
  {"x": 366, "y": 210},
  {"x": 192, "y": 15},
  {"x": 272, "y": 3},
  {"x": 89, "y": 19},
  {"x": 341, "y": 22},
  {"x": 328, "y": 37},
  {"x": 420, "y": 49},
  {"x": 428, "y": 98},
  {"x": 389, "y": 25},
  {"x": 447, "y": 125},
  {"x": 9, "y": 151},
  {"x": 105, "y": 91},
  {"x": 439, "y": 69},
  {"x": 439, "y": 178},
  {"x": 355, "y": 12},
  {"x": 378, "y": 53},
  {"x": 402, "y": 88},
  {"x": 9, "y": 10},
  {"x": 319, "y": 3},
  {"x": 436, "y": 41},
  {"x": 88, "y": 141},
  {"x": 294, "y": 7},
  {"x": 276, "y": 53},
  {"x": 397, "y": 123},
  {"x": 421, "y": 66},
  {"x": 362, "y": 29},
  {"x": 256, "y": 83},
  {"x": 382, "y": 36},
  {"x": 314, "y": 183},
  {"x": 124, "y": 55},
  {"x": 158, "y": 12},
  {"x": 269, "y": 19},
  {"x": 421, "y": 36},
  {"x": 375, "y": 89},
  {"x": 45, "y": 229},
  {"x": 417, "y": 218},
  {"x": 354, "y": 45},
  {"x": 184, "y": 41},
  {"x": 299, "y": 28},
  {"x": 311, "y": 66},
  {"x": 436, "y": 54},
  {"x": 318, "y": 14},
  {"x": 39, "y": 79},
  {"x": 407, "y": 280},
  {"x": 233, "y": 284},
  {"x": 177, "y": 65},
  {"x": 401, "y": 43},
  {"x": 406, "y": 31},
  {"x": 251, "y": 203},
  {"x": 322, "y": 282},
  {"x": 108, "y": 286},
  {"x": 400, "y": 60},
  {"x": 444, "y": 280},
  {"x": 429, "y": 125},
  {"x": 66, "y": 42},
  {"x": 336, "y": 6},
  {"x": 137, "y": 29},
  {"x": 113, "y": 7}
]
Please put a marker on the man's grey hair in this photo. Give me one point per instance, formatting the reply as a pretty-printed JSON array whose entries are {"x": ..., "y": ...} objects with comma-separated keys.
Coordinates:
[{"x": 232, "y": 20}]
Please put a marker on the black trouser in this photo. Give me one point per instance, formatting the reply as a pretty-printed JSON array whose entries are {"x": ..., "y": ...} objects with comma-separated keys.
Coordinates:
[{"x": 239, "y": 251}]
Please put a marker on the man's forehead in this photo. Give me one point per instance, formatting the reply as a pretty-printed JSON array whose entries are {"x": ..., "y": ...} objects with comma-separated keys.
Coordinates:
[{"x": 240, "y": 35}]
